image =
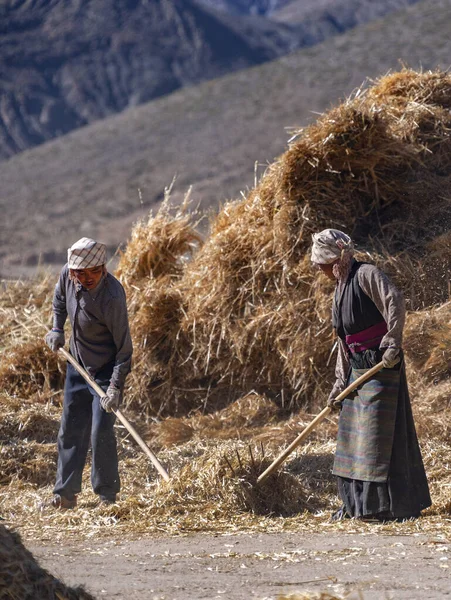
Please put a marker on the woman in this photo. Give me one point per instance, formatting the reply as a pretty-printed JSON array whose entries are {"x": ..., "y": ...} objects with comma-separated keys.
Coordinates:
[
  {"x": 378, "y": 461},
  {"x": 95, "y": 302}
]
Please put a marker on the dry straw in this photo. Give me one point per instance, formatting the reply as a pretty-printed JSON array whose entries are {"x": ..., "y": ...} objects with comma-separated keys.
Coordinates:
[
  {"x": 233, "y": 337},
  {"x": 249, "y": 312}
]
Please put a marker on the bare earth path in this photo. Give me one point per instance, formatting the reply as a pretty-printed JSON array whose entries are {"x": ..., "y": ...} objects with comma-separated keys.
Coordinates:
[{"x": 261, "y": 566}]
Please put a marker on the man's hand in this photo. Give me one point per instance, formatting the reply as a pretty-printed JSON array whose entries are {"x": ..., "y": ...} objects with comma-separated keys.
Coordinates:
[
  {"x": 111, "y": 400},
  {"x": 55, "y": 339},
  {"x": 391, "y": 357}
]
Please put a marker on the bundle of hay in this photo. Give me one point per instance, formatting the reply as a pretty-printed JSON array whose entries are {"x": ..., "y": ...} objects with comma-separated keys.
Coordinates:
[
  {"x": 26, "y": 420},
  {"x": 427, "y": 341},
  {"x": 150, "y": 269},
  {"x": 28, "y": 461},
  {"x": 222, "y": 482},
  {"x": 22, "y": 577},
  {"x": 248, "y": 312},
  {"x": 239, "y": 420},
  {"x": 245, "y": 310},
  {"x": 27, "y": 366}
]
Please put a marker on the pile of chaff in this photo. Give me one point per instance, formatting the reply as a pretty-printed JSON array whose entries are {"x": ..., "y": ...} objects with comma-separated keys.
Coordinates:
[
  {"x": 248, "y": 312},
  {"x": 233, "y": 337},
  {"x": 21, "y": 576}
]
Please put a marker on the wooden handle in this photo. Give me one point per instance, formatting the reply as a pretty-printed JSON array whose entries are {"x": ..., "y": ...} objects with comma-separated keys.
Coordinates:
[
  {"x": 294, "y": 444},
  {"x": 317, "y": 420},
  {"x": 96, "y": 387},
  {"x": 142, "y": 444}
]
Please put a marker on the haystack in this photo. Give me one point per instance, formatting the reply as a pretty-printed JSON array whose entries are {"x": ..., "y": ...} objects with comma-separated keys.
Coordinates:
[
  {"x": 248, "y": 312},
  {"x": 22, "y": 578},
  {"x": 27, "y": 366},
  {"x": 245, "y": 311},
  {"x": 233, "y": 336}
]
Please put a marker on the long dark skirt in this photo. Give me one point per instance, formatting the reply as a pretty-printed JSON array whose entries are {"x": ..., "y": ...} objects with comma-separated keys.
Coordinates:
[{"x": 405, "y": 493}]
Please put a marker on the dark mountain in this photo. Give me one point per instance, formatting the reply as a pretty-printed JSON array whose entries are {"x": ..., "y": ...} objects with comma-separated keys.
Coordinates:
[
  {"x": 68, "y": 63},
  {"x": 338, "y": 15},
  {"x": 341, "y": 14},
  {"x": 247, "y": 7},
  {"x": 99, "y": 179}
]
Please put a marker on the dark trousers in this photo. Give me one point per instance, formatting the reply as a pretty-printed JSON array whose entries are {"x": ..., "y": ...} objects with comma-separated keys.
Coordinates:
[{"x": 84, "y": 421}]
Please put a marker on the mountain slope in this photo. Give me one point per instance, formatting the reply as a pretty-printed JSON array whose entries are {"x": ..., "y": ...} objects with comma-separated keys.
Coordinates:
[
  {"x": 340, "y": 15},
  {"x": 343, "y": 14},
  {"x": 99, "y": 179},
  {"x": 67, "y": 63}
]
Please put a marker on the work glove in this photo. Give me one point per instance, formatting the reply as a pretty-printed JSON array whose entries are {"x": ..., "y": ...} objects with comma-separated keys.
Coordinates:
[
  {"x": 336, "y": 390},
  {"x": 111, "y": 400},
  {"x": 391, "y": 357},
  {"x": 55, "y": 339}
]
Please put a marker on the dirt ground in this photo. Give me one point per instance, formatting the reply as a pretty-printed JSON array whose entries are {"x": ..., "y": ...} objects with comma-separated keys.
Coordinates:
[{"x": 264, "y": 566}]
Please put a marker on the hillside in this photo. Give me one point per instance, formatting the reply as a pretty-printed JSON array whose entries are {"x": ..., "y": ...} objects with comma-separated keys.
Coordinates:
[
  {"x": 66, "y": 63},
  {"x": 63, "y": 66},
  {"x": 210, "y": 135},
  {"x": 327, "y": 16},
  {"x": 337, "y": 15}
]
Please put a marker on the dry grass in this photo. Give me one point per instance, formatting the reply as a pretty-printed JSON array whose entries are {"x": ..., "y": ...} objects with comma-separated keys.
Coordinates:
[
  {"x": 213, "y": 482},
  {"x": 247, "y": 312},
  {"x": 233, "y": 336}
]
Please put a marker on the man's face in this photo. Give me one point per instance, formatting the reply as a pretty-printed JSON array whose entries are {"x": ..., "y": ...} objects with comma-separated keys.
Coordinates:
[{"x": 89, "y": 278}]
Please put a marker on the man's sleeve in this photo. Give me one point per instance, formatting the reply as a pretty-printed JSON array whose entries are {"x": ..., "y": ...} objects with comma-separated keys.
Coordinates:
[
  {"x": 59, "y": 301},
  {"x": 388, "y": 300},
  {"x": 119, "y": 327}
]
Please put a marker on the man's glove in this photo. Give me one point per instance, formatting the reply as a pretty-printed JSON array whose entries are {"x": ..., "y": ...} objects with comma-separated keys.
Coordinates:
[
  {"x": 55, "y": 339},
  {"x": 111, "y": 400},
  {"x": 391, "y": 357}
]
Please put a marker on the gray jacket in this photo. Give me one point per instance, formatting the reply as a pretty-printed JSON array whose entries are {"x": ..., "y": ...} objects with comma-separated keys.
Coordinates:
[{"x": 99, "y": 319}]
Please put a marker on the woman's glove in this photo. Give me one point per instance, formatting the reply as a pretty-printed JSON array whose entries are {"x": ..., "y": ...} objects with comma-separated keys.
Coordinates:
[
  {"x": 391, "y": 357},
  {"x": 111, "y": 400},
  {"x": 55, "y": 339},
  {"x": 336, "y": 391}
]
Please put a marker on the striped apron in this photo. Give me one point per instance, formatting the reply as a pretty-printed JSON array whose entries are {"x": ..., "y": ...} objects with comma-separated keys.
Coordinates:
[{"x": 366, "y": 428}]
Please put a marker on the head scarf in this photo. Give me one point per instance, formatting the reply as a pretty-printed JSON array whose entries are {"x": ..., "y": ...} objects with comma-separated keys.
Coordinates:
[
  {"x": 332, "y": 245},
  {"x": 86, "y": 254}
]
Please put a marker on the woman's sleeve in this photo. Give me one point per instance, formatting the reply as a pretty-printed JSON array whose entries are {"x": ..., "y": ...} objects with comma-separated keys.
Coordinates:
[
  {"x": 341, "y": 370},
  {"x": 388, "y": 300}
]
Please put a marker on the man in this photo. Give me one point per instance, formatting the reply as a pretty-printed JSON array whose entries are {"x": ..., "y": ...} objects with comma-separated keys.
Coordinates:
[
  {"x": 378, "y": 461},
  {"x": 95, "y": 302}
]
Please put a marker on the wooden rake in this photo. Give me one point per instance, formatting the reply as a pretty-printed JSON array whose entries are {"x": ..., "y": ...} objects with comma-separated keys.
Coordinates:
[
  {"x": 128, "y": 426},
  {"x": 317, "y": 420}
]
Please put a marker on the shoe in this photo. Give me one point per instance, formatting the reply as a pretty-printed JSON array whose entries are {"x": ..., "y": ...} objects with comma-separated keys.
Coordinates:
[
  {"x": 62, "y": 502},
  {"x": 107, "y": 500},
  {"x": 370, "y": 519}
]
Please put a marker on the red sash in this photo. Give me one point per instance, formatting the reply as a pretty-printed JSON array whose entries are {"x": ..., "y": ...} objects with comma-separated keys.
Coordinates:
[{"x": 368, "y": 338}]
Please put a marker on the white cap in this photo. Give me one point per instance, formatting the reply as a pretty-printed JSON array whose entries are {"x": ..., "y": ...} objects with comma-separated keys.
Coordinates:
[
  {"x": 329, "y": 244},
  {"x": 86, "y": 254}
]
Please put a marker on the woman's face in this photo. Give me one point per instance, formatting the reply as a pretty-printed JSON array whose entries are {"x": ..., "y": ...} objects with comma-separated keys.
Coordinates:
[
  {"x": 89, "y": 278},
  {"x": 328, "y": 270}
]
